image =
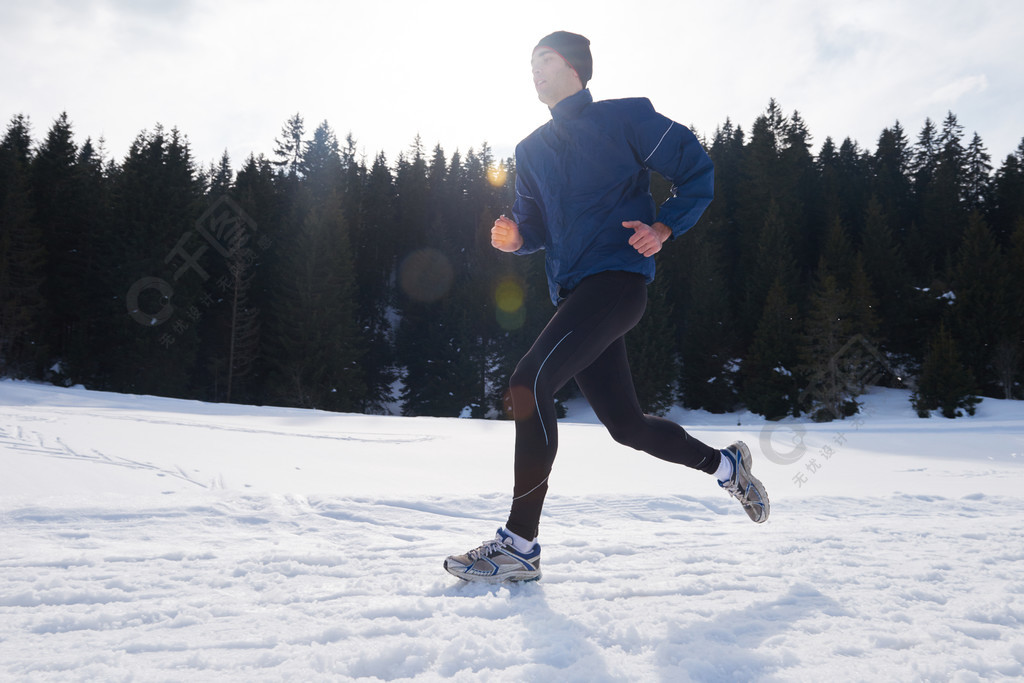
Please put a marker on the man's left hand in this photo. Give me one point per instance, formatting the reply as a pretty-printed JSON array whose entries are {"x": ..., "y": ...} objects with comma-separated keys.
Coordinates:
[{"x": 647, "y": 239}]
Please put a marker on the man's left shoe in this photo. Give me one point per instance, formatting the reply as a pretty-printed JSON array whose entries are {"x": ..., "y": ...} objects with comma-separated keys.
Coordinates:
[
  {"x": 496, "y": 561},
  {"x": 743, "y": 486}
]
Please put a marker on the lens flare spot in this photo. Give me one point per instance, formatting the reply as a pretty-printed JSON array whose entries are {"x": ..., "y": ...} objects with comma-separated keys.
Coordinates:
[
  {"x": 518, "y": 403},
  {"x": 509, "y": 296},
  {"x": 426, "y": 275},
  {"x": 497, "y": 175},
  {"x": 511, "y": 320}
]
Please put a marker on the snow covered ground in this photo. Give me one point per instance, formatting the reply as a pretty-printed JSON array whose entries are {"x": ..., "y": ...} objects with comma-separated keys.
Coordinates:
[{"x": 151, "y": 539}]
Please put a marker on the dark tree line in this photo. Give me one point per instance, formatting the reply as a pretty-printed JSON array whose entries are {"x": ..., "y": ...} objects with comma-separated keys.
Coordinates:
[{"x": 321, "y": 279}]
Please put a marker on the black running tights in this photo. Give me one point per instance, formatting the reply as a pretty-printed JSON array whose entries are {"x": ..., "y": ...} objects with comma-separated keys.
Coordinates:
[{"x": 585, "y": 340}]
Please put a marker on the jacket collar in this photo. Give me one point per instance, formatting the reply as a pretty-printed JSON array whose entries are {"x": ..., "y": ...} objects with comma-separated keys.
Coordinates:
[{"x": 573, "y": 105}]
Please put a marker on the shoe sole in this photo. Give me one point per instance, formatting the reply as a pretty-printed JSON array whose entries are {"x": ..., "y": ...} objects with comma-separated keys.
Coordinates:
[
  {"x": 746, "y": 461},
  {"x": 500, "y": 578}
]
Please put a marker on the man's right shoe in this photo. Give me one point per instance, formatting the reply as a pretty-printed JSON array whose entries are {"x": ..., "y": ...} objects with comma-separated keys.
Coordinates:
[
  {"x": 496, "y": 561},
  {"x": 743, "y": 486}
]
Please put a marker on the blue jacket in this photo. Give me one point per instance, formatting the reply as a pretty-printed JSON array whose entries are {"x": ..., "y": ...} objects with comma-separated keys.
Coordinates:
[{"x": 580, "y": 175}]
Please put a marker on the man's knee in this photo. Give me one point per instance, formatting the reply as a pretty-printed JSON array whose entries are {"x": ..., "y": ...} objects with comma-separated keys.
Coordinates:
[
  {"x": 522, "y": 376},
  {"x": 520, "y": 401},
  {"x": 627, "y": 432}
]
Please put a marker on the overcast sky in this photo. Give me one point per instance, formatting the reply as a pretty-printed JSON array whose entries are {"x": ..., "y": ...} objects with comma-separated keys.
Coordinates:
[{"x": 229, "y": 73}]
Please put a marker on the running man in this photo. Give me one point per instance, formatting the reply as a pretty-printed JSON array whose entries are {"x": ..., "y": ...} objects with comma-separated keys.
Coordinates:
[{"x": 583, "y": 195}]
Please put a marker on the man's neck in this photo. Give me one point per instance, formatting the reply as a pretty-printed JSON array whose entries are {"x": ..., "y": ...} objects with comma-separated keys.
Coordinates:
[
  {"x": 552, "y": 106},
  {"x": 571, "y": 106}
]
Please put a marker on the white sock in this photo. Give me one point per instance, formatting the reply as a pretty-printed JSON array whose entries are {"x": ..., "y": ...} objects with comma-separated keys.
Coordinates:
[
  {"x": 520, "y": 543},
  {"x": 724, "y": 472}
]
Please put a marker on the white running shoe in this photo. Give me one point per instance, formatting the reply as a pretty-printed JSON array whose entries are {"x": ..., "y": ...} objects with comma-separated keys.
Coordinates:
[
  {"x": 496, "y": 561},
  {"x": 743, "y": 486}
]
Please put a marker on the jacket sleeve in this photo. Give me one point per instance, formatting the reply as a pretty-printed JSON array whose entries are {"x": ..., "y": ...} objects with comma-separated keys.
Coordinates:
[
  {"x": 528, "y": 217},
  {"x": 673, "y": 150}
]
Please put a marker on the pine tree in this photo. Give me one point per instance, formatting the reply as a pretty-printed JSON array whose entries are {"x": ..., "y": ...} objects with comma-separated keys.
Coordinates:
[
  {"x": 323, "y": 367},
  {"x": 924, "y": 157},
  {"x": 375, "y": 245},
  {"x": 433, "y": 380},
  {"x": 425, "y": 276},
  {"x": 778, "y": 126},
  {"x": 890, "y": 181},
  {"x": 1006, "y": 204},
  {"x": 245, "y": 286},
  {"x": 156, "y": 268},
  {"x": 229, "y": 326},
  {"x": 830, "y": 174},
  {"x": 853, "y": 173},
  {"x": 923, "y": 256},
  {"x": 705, "y": 345},
  {"x": 977, "y": 175},
  {"x": 754, "y": 204},
  {"x": 945, "y": 384},
  {"x": 289, "y": 147},
  {"x": 221, "y": 177},
  {"x": 59, "y": 208},
  {"x": 768, "y": 383},
  {"x": 22, "y": 257},
  {"x": 944, "y": 209},
  {"x": 353, "y": 185},
  {"x": 864, "y": 310},
  {"x": 832, "y": 383},
  {"x": 412, "y": 209},
  {"x": 980, "y": 315},
  {"x": 315, "y": 345},
  {"x": 244, "y": 320},
  {"x": 838, "y": 253},
  {"x": 320, "y": 164},
  {"x": 886, "y": 271},
  {"x": 727, "y": 153},
  {"x": 439, "y": 180},
  {"x": 442, "y": 338},
  {"x": 94, "y": 223},
  {"x": 1008, "y": 358},
  {"x": 774, "y": 262}
]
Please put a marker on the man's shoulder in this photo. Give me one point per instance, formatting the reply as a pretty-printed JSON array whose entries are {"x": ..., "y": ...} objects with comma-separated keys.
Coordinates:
[
  {"x": 532, "y": 139},
  {"x": 624, "y": 105},
  {"x": 536, "y": 132}
]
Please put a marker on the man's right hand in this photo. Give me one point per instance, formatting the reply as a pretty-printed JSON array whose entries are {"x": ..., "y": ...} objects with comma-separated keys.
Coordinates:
[{"x": 505, "y": 235}]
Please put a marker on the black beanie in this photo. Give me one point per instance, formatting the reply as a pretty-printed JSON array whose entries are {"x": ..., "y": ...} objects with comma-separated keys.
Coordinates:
[{"x": 574, "y": 49}]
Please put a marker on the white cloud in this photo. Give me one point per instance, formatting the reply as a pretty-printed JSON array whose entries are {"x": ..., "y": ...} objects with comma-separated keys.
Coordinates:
[{"x": 950, "y": 93}]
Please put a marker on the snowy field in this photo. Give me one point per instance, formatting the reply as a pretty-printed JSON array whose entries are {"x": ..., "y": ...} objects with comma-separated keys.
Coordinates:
[{"x": 157, "y": 540}]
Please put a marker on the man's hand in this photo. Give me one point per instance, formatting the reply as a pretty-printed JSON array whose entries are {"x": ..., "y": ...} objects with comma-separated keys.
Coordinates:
[
  {"x": 647, "y": 239},
  {"x": 505, "y": 235}
]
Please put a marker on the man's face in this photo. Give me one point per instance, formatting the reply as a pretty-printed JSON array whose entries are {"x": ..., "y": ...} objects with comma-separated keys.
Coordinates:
[{"x": 553, "y": 78}]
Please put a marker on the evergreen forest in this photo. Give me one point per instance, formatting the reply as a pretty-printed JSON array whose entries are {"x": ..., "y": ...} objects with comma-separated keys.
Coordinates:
[{"x": 321, "y": 279}]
